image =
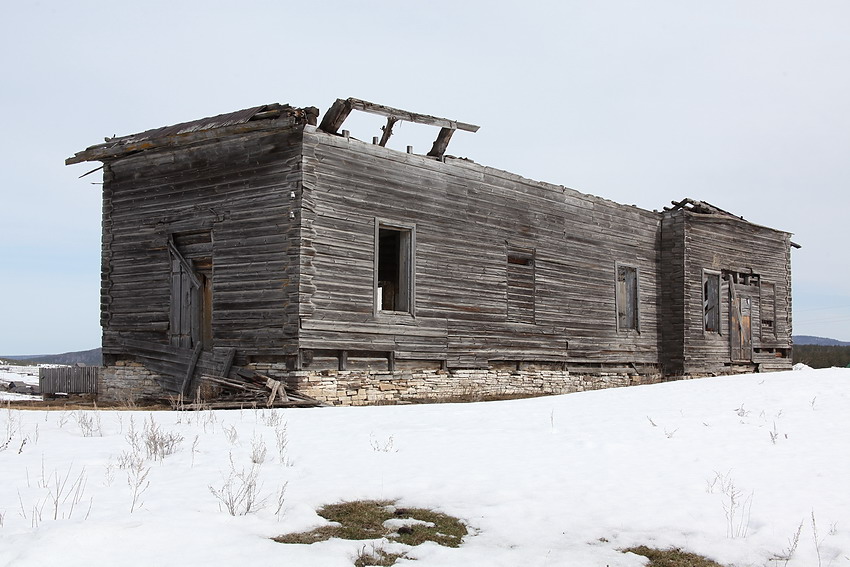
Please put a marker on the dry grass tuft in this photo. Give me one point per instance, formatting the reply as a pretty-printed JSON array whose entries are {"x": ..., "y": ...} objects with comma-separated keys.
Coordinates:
[
  {"x": 364, "y": 519},
  {"x": 671, "y": 557},
  {"x": 376, "y": 557},
  {"x": 80, "y": 403}
]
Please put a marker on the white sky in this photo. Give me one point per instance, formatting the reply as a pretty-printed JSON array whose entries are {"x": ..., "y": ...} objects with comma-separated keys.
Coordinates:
[{"x": 740, "y": 103}]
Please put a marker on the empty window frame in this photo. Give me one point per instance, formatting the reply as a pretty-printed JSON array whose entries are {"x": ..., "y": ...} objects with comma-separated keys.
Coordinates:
[
  {"x": 394, "y": 267},
  {"x": 628, "y": 314},
  {"x": 711, "y": 301},
  {"x": 520, "y": 284}
]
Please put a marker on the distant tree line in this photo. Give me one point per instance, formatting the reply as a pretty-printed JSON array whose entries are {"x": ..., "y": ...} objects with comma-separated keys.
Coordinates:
[{"x": 819, "y": 356}]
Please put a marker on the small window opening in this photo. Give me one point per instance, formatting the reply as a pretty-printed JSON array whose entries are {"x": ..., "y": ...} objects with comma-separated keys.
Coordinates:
[
  {"x": 711, "y": 302},
  {"x": 395, "y": 282},
  {"x": 742, "y": 278},
  {"x": 627, "y": 298},
  {"x": 519, "y": 260},
  {"x": 520, "y": 284}
]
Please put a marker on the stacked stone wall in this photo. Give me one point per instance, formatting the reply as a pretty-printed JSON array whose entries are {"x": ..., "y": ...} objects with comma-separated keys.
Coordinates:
[
  {"x": 132, "y": 382},
  {"x": 358, "y": 387},
  {"x": 129, "y": 382}
]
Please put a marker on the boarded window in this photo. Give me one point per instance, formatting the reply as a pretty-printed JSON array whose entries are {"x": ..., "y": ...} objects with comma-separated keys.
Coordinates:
[
  {"x": 627, "y": 298},
  {"x": 520, "y": 284},
  {"x": 711, "y": 302},
  {"x": 767, "y": 306},
  {"x": 394, "y": 269}
]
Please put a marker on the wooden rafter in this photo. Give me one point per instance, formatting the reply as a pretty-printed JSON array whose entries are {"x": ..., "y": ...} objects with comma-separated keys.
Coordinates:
[
  {"x": 335, "y": 116},
  {"x": 388, "y": 131},
  {"x": 339, "y": 111},
  {"x": 442, "y": 142}
]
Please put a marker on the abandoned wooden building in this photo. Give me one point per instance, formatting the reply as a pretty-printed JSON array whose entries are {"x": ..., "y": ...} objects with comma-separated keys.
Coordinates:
[{"x": 266, "y": 247}]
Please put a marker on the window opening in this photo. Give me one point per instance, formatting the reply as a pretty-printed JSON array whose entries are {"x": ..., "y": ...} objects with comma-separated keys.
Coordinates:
[
  {"x": 394, "y": 290},
  {"x": 711, "y": 302},
  {"x": 627, "y": 298},
  {"x": 520, "y": 285},
  {"x": 742, "y": 278}
]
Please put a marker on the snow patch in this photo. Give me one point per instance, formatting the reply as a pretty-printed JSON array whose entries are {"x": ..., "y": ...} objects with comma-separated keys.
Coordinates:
[{"x": 560, "y": 480}]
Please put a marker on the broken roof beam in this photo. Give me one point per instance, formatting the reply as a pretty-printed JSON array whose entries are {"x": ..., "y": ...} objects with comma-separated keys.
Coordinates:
[
  {"x": 694, "y": 206},
  {"x": 340, "y": 110},
  {"x": 388, "y": 131},
  {"x": 441, "y": 143},
  {"x": 335, "y": 116},
  {"x": 390, "y": 112}
]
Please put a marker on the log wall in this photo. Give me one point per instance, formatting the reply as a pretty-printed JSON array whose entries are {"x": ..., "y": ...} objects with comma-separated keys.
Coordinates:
[
  {"x": 727, "y": 245},
  {"x": 508, "y": 274},
  {"x": 466, "y": 218},
  {"x": 243, "y": 191},
  {"x": 672, "y": 305}
]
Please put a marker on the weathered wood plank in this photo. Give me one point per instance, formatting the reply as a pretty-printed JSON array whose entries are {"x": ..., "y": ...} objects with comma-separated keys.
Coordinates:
[{"x": 291, "y": 217}]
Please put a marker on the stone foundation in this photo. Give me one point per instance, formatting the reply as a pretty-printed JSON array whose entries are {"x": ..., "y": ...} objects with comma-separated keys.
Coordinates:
[
  {"x": 358, "y": 387},
  {"x": 132, "y": 382},
  {"x": 129, "y": 382}
]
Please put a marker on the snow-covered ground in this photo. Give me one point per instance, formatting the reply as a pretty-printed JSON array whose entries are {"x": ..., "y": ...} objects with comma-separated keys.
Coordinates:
[
  {"x": 25, "y": 374},
  {"x": 13, "y": 397},
  {"x": 727, "y": 467},
  {"x": 19, "y": 375}
]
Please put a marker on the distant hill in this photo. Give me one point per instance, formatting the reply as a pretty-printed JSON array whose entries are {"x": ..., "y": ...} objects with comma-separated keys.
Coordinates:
[
  {"x": 92, "y": 357},
  {"x": 820, "y": 341}
]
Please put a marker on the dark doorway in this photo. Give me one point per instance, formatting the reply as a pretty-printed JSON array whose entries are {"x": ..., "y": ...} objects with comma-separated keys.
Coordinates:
[{"x": 394, "y": 254}]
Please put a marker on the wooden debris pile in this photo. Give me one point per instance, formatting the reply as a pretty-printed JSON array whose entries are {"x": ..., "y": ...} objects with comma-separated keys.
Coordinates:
[{"x": 249, "y": 388}]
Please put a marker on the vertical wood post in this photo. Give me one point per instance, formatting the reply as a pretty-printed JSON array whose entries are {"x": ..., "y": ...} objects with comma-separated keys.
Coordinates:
[{"x": 190, "y": 369}]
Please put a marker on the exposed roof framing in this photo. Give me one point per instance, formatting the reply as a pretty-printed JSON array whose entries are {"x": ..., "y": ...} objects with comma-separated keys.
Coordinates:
[
  {"x": 700, "y": 207},
  {"x": 703, "y": 208},
  {"x": 340, "y": 110}
]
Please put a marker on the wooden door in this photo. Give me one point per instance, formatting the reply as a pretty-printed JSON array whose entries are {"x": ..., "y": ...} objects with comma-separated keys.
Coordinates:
[
  {"x": 740, "y": 324},
  {"x": 191, "y": 301},
  {"x": 185, "y": 302}
]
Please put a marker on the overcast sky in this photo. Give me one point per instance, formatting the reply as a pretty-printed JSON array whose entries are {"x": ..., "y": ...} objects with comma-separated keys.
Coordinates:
[{"x": 744, "y": 104}]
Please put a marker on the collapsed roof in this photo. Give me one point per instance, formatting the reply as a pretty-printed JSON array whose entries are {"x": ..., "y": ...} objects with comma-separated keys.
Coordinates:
[{"x": 268, "y": 116}]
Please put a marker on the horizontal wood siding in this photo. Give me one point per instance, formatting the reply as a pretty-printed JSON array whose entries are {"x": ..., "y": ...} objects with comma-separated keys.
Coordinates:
[
  {"x": 466, "y": 217},
  {"x": 720, "y": 244},
  {"x": 240, "y": 190},
  {"x": 672, "y": 284},
  {"x": 506, "y": 268}
]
